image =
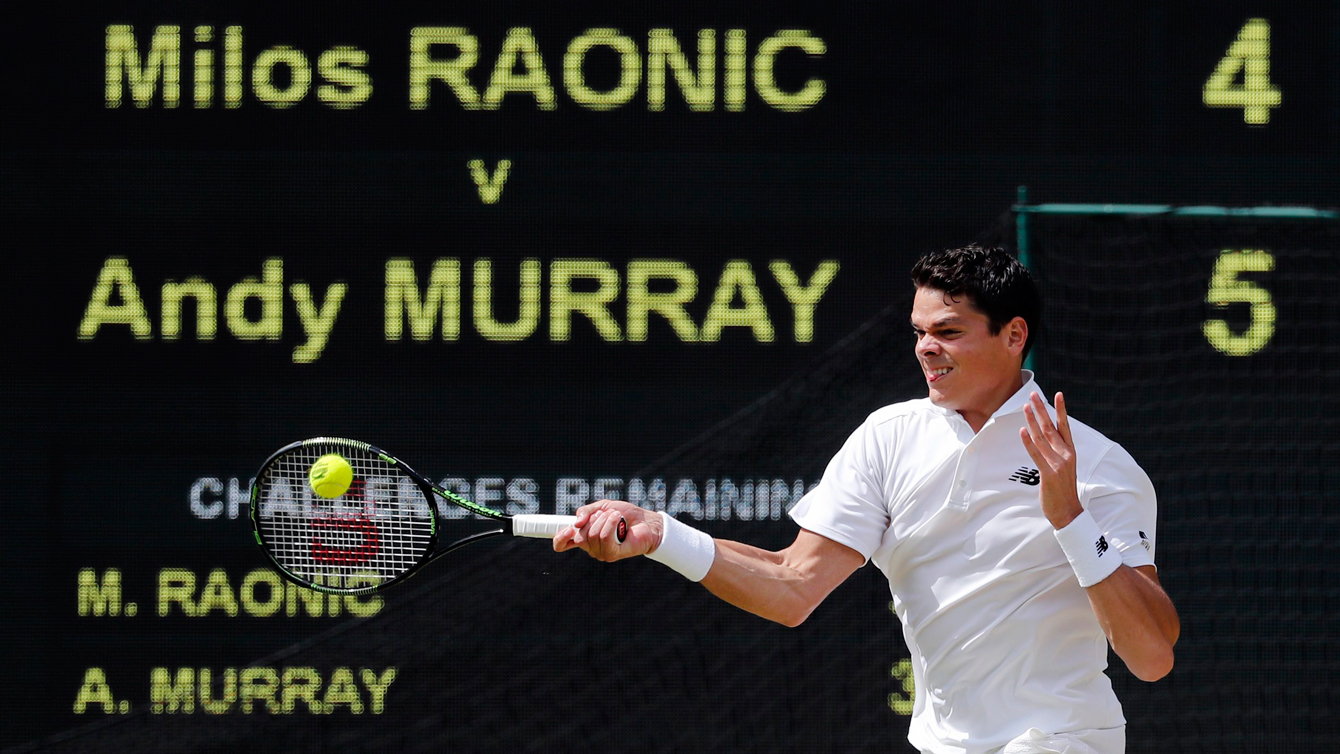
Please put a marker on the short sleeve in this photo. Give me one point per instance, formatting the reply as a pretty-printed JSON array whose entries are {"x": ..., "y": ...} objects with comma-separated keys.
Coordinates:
[
  {"x": 848, "y": 505},
  {"x": 1121, "y": 498}
]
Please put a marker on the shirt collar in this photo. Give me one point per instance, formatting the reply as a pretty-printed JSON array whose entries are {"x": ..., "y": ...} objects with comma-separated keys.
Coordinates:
[{"x": 1015, "y": 403}]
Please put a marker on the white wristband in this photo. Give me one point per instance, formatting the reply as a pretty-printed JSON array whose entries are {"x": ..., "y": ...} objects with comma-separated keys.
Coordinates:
[
  {"x": 684, "y": 549},
  {"x": 1087, "y": 550}
]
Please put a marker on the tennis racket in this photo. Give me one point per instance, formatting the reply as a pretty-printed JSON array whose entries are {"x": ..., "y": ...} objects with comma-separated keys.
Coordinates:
[{"x": 381, "y": 531}]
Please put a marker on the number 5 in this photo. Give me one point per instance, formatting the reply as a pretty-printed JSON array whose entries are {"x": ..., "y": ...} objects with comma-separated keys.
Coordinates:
[{"x": 1226, "y": 288}]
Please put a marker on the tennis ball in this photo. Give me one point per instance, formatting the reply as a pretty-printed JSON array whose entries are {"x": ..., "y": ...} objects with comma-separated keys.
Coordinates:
[{"x": 330, "y": 476}]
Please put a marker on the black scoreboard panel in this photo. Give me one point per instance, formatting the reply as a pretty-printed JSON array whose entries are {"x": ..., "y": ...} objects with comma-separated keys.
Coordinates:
[
  {"x": 549, "y": 255},
  {"x": 1207, "y": 346}
]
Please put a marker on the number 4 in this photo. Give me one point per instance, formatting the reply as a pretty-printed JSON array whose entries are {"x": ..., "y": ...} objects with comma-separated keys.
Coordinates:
[{"x": 1249, "y": 53}]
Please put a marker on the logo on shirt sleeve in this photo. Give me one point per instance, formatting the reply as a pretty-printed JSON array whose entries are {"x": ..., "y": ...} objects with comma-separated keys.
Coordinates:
[
  {"x": 1027, "y": 476},
  {"x": 1144, "y": 540},
  {"x": 1101, "y": 545}
]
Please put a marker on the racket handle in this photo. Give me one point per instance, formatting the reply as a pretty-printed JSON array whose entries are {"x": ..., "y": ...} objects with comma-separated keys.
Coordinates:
[
  {"x": 545, "y": 526},
  {"x": 540, "y": 525}
]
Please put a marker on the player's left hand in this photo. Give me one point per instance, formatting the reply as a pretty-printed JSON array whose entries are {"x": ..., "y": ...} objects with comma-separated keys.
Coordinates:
[{"x": 1051, "y": 448}]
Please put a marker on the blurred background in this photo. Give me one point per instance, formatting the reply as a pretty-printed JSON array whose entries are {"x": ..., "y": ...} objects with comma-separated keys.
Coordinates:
[{"x": 549, "y": 254}]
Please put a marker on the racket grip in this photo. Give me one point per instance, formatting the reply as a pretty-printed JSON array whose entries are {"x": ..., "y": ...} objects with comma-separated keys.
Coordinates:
[{"x": 540, "y": 525}]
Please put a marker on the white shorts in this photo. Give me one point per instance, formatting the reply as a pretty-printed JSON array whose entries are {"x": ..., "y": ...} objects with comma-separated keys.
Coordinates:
[{"x": 1091, "y": 741}]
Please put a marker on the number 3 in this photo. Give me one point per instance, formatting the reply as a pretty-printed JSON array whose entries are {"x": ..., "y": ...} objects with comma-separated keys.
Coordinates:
[{"x": 1226, "y": 288}]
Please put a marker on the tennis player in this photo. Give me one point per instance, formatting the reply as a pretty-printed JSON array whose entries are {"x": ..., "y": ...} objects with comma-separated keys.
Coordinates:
[{"x": 1018, "y": 542}]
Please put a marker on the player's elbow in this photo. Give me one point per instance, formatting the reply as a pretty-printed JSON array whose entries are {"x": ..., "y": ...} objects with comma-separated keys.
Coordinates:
[
  {"x": 797, "y": 606},
  {"x": 1153, "y": 665},
  {"x": 803, "y": 576},
  {"x": 793, "y": 616}
]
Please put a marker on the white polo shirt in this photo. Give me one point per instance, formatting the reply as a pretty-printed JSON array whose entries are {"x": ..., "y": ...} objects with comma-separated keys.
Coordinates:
[{"x": 1001, "y": 634}]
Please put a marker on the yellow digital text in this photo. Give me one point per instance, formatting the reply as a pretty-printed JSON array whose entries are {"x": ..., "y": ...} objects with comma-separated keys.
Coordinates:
[
  {"x": 1249, "y": 58},
  {"x": 1226, "y": 287},
  {"x": 439, "y": 300},
  {"x": 260, "y": 593},
  {"x": 101, "y": 595},
  {"x": 147, "y": 67},
  {"x": 117, "y": 301},
  {"x": 250, "y": 690},
  {"x": 586, "y": 290},
  {"x": 448, "y": 54}
]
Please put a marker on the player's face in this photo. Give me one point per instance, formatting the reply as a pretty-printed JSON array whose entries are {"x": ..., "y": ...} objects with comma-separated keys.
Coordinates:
[{"x": 967, "y": 368}]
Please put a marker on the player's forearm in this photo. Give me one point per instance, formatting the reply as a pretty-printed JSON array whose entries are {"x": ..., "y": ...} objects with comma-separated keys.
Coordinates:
[
  {"x": 1139, "y": 619},
  {"x": 782, "y": 586},
  {"x": 761, "y": 582}
]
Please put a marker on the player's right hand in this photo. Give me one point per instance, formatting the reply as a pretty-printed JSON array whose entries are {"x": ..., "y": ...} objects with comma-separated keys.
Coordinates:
[{"x": 596, "y": 531}]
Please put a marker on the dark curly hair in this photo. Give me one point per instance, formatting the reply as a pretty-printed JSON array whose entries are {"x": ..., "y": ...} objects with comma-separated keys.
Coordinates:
[{"x": 994, "y": 282}]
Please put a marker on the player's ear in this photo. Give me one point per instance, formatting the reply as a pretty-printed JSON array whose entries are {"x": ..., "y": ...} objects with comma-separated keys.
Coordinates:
[{"x": 1016, "y": 335}]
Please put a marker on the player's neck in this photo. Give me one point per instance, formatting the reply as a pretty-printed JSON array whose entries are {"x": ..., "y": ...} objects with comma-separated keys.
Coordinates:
[{"x": 977, "y": 416}]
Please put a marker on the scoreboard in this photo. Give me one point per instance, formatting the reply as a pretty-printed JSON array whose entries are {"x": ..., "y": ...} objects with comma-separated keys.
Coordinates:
[{"x": 553, "y": 254}]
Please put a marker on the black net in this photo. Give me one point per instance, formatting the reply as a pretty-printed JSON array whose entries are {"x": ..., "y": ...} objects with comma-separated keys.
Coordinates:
[
  {"x": 506, "y": 647},
  {"x": 1210, "y": 348}
]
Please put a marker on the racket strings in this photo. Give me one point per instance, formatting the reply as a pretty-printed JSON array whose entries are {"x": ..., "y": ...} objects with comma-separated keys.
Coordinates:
[{"x": 379, "y": 529}]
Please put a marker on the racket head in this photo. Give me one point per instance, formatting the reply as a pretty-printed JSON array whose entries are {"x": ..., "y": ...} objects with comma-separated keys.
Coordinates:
[{"x": 381, "y": 530}]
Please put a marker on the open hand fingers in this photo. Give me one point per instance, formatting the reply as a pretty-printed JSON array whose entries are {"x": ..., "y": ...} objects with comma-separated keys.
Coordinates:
[
  {"x": 1063, "y": 420},
  {"x": 1057, "y": 435},
  {"x": 1038, "y": 459},
  {"x": 1050, "y": 448},
  {"x": 1048, "y": 443},
  {"x": 1037, "y": 410},
  {"x": 1041, "y": 440}
]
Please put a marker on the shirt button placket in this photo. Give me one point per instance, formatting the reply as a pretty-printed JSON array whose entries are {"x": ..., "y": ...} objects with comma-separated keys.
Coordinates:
[
  {"x": 967, "y": 466},
  {"x": 968, "y": 470}
]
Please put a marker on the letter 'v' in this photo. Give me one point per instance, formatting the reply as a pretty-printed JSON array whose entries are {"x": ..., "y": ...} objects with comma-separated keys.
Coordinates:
[{"x": 490, "y": 186}]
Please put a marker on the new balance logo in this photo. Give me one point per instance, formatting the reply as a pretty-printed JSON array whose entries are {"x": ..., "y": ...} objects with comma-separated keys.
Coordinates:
[
  {"x": 1101, "y": 545},
  {"x": 1027, "y": 476}
]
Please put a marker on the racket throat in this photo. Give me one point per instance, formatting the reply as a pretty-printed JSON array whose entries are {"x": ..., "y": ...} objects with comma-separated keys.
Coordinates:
[{"x": 469, "y": 540}]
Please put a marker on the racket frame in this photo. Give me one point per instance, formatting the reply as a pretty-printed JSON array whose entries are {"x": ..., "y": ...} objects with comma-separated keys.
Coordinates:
[{"x": 429, "y": 489}]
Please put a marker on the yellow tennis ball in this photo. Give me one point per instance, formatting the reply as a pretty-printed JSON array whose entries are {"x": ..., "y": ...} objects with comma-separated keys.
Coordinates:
[{"x": 330, "y": 476}]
